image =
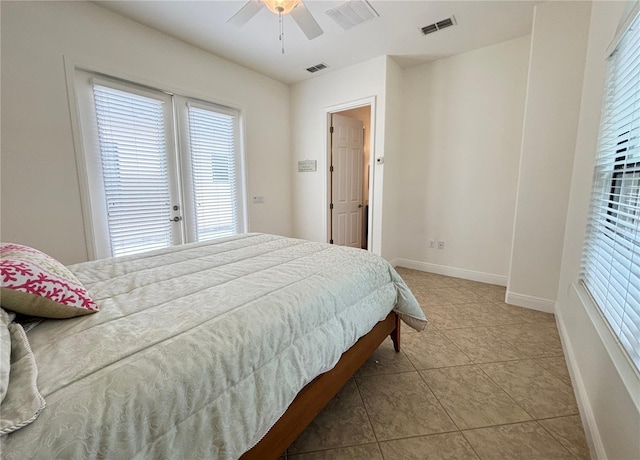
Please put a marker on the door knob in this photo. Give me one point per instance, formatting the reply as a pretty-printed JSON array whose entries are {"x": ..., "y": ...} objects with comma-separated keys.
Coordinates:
[{"x": 359, "y": 205}]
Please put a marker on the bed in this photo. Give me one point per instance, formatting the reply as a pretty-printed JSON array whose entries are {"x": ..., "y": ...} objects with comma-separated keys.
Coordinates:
[{"x": 208, "y": 350}]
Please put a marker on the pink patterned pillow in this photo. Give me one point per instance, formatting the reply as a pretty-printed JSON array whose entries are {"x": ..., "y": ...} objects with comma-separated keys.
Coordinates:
[{"x": 33, "y": 283}]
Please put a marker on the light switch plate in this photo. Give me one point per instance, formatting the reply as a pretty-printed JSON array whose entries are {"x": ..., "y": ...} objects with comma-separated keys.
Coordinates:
[{"x": 307, "y": 166}]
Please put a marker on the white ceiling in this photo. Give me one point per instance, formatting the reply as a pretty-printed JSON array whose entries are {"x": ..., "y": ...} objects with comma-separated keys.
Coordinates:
[{"x": 394, "y": 33}]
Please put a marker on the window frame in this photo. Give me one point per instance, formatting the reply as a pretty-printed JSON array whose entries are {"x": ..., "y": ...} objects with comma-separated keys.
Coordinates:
[
  {"x": 182, "y": 105},
  {"x": 608, "y": 241}
]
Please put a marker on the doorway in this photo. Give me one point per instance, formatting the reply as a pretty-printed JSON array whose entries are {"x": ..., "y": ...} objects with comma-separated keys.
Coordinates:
[{"x": 349, "y": 176}]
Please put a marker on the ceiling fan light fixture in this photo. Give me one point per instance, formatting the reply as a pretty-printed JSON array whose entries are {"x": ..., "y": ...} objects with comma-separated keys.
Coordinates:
[{"x": 281, "y": 6}]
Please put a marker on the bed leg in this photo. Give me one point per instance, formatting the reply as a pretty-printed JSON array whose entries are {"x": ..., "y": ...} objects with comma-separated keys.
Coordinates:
[{"x": 395, "y": 335}]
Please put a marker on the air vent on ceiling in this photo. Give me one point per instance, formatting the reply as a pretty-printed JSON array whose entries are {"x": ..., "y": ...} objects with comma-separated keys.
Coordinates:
[
  {"x": 317, "y": 67},
  {"x": 431, "y": 28},
  {"x": 352, "y": 13}
]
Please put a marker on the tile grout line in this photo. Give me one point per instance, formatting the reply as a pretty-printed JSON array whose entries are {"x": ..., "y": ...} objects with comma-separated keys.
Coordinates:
[
  {"x": 471, "y": 445},
  {"x": 506, "y": 392},
  {"x": 364, "y": 405},
  {"x": 438, "y": 399},
  {"x": 554, "y": 437}
]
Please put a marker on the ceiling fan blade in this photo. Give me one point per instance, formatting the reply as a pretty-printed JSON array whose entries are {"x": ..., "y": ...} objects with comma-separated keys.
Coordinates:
[
  {"x": 249, "y": 10},
  {"x": 305, "y": 21}
]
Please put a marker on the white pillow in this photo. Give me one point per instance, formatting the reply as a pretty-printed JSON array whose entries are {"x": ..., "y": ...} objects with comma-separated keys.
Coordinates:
[{"x": 33, "y": 283}]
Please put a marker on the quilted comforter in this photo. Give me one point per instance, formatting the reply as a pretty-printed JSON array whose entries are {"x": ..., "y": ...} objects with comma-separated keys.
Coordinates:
[{"x": 199, "y": 349}]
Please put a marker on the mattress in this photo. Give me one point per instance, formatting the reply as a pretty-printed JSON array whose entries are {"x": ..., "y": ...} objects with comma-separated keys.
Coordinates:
[{"x": 198, "y": 349}]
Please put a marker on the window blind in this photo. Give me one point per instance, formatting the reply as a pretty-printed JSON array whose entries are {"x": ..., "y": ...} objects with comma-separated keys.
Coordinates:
[
  {"x": 134, "y": 167},
  {"x": 213, "y": 168},
  {"x": 611, "y": 260}
]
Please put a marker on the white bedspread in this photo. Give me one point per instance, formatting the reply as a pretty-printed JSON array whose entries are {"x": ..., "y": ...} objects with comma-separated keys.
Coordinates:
[{"x": 198, "y": 350}]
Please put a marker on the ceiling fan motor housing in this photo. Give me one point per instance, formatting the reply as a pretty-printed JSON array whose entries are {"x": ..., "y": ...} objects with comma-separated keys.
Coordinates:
[{"x": 281, "y": 6}]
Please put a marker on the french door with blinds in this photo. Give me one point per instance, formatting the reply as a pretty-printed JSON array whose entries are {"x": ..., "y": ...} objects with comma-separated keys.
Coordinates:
[{"x": 161, "y": 169}]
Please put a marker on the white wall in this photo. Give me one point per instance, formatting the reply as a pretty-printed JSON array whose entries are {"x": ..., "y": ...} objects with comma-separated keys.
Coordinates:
[
  {"x": 607, "y": 387},
  {"x": 558, "y": 50},
  {"x": 461, "y": 134},
  {"x": 40, "y": 192},
  {"x": 310, "y": 101},
  {"x": 392, "y": 227}
]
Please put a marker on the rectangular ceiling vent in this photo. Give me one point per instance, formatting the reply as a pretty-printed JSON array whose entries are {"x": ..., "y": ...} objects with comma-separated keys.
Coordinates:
[
  {"x": 315, "y": 68},
  {"x": 352, "y": 13},
  {"x": 431, "y": 28}
]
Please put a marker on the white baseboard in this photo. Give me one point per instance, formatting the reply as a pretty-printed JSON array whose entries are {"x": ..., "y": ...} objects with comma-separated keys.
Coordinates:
[
  {"x": 451, "y": 271},
  {"x": 587, "y": 416},
  {"x": 528, "y": 301}
]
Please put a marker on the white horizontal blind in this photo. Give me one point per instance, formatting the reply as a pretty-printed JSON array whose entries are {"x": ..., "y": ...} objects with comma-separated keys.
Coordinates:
[
  {"x": 213, "y": 168},
  {"x": 134, "y": 166},
  {"x": 611, "y": 261}
]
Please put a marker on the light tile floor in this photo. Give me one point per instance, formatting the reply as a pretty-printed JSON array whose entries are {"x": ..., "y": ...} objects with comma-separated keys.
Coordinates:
[{"x": 485, "y": 380}]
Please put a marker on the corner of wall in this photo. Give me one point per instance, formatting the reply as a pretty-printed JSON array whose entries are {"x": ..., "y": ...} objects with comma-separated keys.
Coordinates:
[{"x": 554, "y": 91}]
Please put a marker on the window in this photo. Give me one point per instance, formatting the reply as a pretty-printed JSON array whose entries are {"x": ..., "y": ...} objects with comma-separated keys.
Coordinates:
[
  {"x": 611, "y": 261},
  {"x": 162, "y": 169},
  {"x": 134, "y": 170},
  {"x": 213, "y": 172}
]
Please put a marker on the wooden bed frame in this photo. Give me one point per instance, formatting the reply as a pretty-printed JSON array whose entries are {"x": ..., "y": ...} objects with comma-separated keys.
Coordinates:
[{"x": 317, "y": 394}]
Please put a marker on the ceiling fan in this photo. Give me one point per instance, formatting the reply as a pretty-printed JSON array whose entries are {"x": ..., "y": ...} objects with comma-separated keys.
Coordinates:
[{"x": 296, "y": 8}]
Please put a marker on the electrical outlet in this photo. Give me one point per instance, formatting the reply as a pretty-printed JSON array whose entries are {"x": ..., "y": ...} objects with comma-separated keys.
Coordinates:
[
  {"x": 440, "y": 244},
  {"x": 259, "y": 199}
]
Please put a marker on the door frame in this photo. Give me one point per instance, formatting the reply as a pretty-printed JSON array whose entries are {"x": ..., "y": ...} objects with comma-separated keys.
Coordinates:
[{"x": 367, "y": 101}]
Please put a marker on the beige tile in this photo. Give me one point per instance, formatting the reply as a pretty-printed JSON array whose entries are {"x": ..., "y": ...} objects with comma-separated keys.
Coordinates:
[
  {"x": 363, "y": 452},
  {"x": 471, "y": 399},
  {"x": 451, "y": 317},
  {"x": 458, "y": 295},
  {"x": 526, "y": 315},
  {"x": 557, "y": 366},
  {"x": 469, "y": 315},
  {"x": 448, "y": 446},
  {"x": 431, "y": 349},
  {"x": 535, "y": 340},
  {"x": 401, "y": 405},
  {"x": 427, "y": 296},
  {"x": 415, "y": 276},
  {"x": 537, "y": 390},
  {"x": 570, "y": 433},
  {"x": 481, "y": 345},
  {"x": 343, "y": 422},
  {"x": 522, "y": 441},
  {"x": 488, "y": 313},
  {"x": 475, "y": 286},
  {"x": 492, "y": 292},
  {"x": 409, "y": 330},
  {"x": 385, "y": 360},
  {"x": 440, "y": 281},
  {"x": 407, "y": 272}
]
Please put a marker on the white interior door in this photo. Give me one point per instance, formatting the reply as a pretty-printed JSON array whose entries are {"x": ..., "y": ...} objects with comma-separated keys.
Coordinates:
[{"x": 346, "y": 181}]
